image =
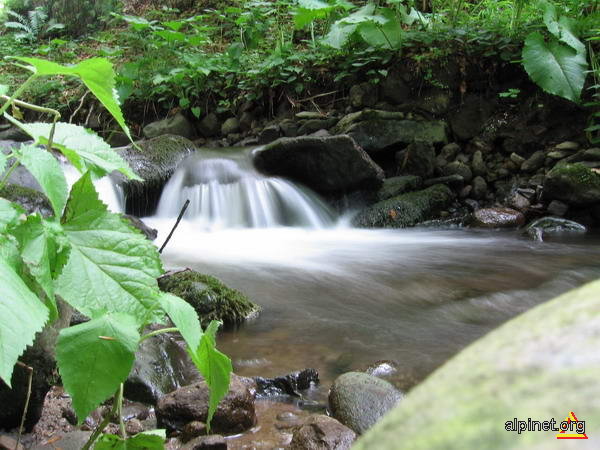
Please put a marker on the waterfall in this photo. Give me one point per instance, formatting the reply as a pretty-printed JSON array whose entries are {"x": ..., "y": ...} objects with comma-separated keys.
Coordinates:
[{"x": 229, "y": 193}]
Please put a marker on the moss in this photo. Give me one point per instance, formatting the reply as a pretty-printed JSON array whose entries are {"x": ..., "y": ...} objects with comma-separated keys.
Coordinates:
[
  {"x": 572, "y": 183},
  {"x": 30, "y": 199},
  {"x": 211, "y": 299},
  {"x": 578, "y": 173}
]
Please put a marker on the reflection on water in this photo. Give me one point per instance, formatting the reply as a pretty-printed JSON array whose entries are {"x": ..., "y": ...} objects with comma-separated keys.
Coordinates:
[{"x": 338, "y": 299}]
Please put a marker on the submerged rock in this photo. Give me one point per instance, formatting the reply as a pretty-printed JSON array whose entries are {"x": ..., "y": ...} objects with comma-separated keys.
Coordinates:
[
  {"x": 322, "y": 432},
  {"x": 329, "y": 164},
  {"x": 359, "y": 400},
  {"x": 405, "y": 210},
  {"x": 498, "y": 218},
  {"x": 572, "y": 183}
]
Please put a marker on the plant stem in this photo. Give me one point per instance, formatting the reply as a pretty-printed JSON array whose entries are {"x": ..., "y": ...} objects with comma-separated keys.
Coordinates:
[
  {"x": 26, "y": 407},
  {"x": 17, "y": 93},
  {"x": 106, "y": 420},
  {"x": 157, "y": 332},
  {"x": 119, "y": 401}
]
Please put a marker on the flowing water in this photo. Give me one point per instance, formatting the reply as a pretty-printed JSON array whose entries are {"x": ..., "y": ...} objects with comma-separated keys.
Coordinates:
[{"x": 337, "y": 298}]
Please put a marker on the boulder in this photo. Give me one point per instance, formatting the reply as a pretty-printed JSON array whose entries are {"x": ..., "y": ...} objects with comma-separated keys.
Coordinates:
[
  {"x": 573, "y": 184},
  {"x": 417, "y": 159},
  {"x": 497, "y": 218},
  {"x": 231, "y": 125},
  {"x": 467, "y": 122},
  {"x": 377, "y": 130},
  {"x": 478, "y": 166},
  {"x": 405, "y": 210},
  {"x": 209, "y": 126},
  {"x": 178, "y": 125},
  {"x": 363, "y": 95},
  {"x": 479, "y": 188},
  {"x": 534, "y": 162},
  {"x": 313, "y": 125},
  {"x": 459, "y": 168},
  {"x": 395, "y": 186},
  {"x": 268, "y": 134},
  {"x": 73, "y": 440},
  {"x": 359, "y": 400},
  {"x": 211, "y": 299},
  {"x": 331, "y": 164},
  {"x": 521, "y": 370},
  {"x": 322, "y": 432},
  {"x": 557, "y": 208},
  {"x": 31, "y": 200},
  {"x": 394, "y": 89},
  {"x": 234, "y": 414},
  {"x": 290, "y": 384}
]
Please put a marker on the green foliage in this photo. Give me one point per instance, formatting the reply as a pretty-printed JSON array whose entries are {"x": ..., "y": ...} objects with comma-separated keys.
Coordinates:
[
  {"x": 147, "y": 440},
  {"x": 33, "y": 26}
]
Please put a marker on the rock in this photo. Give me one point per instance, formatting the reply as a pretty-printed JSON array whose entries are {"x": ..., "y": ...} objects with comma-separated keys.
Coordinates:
[
  {"x": 234, "y": 414},
  {"x": 459, "y": 168},
  {"x": 449, "y": 151},
  {"x": 178, "y": 125},
  {"x": 231, "y": 125},
  {"x": 557, "y": 208},
  {"x": 210, "y": 442},
  {"x": 332, "y": 164},
  {"x": 467, "y": 122},
  {"x": 556, "y": 225},
  {"x": 150, "y": 233},
  {"x": 320, "y": 133},
  {"x": 246, "y": 120},
  {"x": 359, "y": 400},
  {"x": 568, "y": 146},
  {"x": 405, "y": 210},
  {"x": 321, "y": 432},
  {"x": 497, "y": 218},
  {"x": 573, "y": 184},
  {"x": 559, "y": 154},
  {"x": 310, "y": 126},
  {"x": 14, "y": 134},
  {"x": 382, "y": 369},
  {"x": 309, "y": 115},
  {"x": 73, "y": 440},
  {"x": 517, "y": 159},
  {"x": 455, "y": 180},
  {"x": 394, "y": 89},
  {"x": 377, "y": 130},
  {"x": 519, "y": 370},
  {"x": 268, "y": 134},
  {"x": 209, "y": 126},
  {"x": 479, "y": 188},
  {"x": 363, "y": 95},
  {"x": 289, "y": 384},
  {"x": 133, "y": 426},
  {"x": 518, "y": 202},
  {"x": 9, "y": 443},
  {"x": 31, "y": 200},
  {"x": 534, "y": 162},
  {"x": 417, "y": 159},
  {"x": 395, "y": 186},
  {"x": 161, "y": 366},
  {"x": 477, "y": 164},
  {"x": 289, "y": 128},
  {"x": 211, "y": 299},
  {"x": 435, "y": 102},
  {"x": 192, "y": 430}
]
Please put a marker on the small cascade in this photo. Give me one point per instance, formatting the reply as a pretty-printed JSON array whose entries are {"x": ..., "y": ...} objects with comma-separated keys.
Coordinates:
[{"x": 229, "y": 193}]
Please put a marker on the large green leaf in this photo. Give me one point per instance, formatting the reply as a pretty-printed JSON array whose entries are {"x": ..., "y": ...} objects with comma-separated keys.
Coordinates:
[
  {"x": 96, "y": 73},
  {"x": 184, "y": 316},
  {"x": 339, "y": 35},
  {"x": 556, "y": 68},
  {"x": 82, "y": 147},
  {"x": 112, "y": 267},
  {"x": 10, "y": 214},
  {"x": 95, "y": 357},
  {"x": 21, "y": 316},
  {"x": 148, "y": 440},
  {"x": 214, "y": 366},
  {"x": 388, "y": 35},
  {"x": 47, "y": 171}
]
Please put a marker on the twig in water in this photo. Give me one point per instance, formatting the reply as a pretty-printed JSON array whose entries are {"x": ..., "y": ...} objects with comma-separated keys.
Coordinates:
[
  {"x": 185, "y": 205},
  {"x": 22, "y": 425}
]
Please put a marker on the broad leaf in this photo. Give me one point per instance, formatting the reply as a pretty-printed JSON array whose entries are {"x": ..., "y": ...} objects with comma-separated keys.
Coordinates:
[
  {"x": 96, "y": 73},
  {"x": 148, "y": 440},
  {"x": 47, "y": 171},
  {"x": 22, "y": 315},
  {"x": 388, "y": 35},
  {"x": 214, "y": 366},
  {"x": 95, "y": 357},
  {"x": 112, "y": 267},
  {"x": 556, "y": 68},
  {"x": 339, "y": 35},
  {"x": 568, "y": 36},
  {"x": 10, "y": 214},
  {"x": 184, "y": 316},
  {"x": 364, "y": 14}
]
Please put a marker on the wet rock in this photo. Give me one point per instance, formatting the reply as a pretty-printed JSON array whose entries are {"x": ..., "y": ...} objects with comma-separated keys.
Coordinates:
[
  {"x": 177, "y": 125},
  {"x": 150, "y": 233},
  {"x": 377, "y": 130},
  {"x": 309, "y": 115},
  {"x": 234, "y": 414},
  {"x": 520, "y": 369},
  {"x": 395, "y": 186},
  {"x": 405, "y": 210},
  {"x": 556, "y": 225},
  {"x": 558, "y": 208},
  {"x": 363, "y": 95},
  {"x": 31, "y": 200},
  {"x": 417, "y": 159},
  {"x": 209, "y": 126},
  {"x": 573, "y": 184},
  {"x": 322, "y": 433},
  {"x": 326, "y": 164},
  {"x": 161, "y": 366},
  {"x": 467, "y": 122},
  {"x": 498, "y": 218},
  {"x": 534, "y": 162},
  {"x": 211, "y": 299},
  {"x": 268, "y": 134},
  {"x": 231, "y": 125},
  {"x": 359, "y": 400},
  {"x": 518, "y": 202},
  {"x": 382, "y": 369},
  {"x": 310, "y": 126},
  {"x": 192, "y": 430},
  {"x": 459, "y": 168},
  {"x": 211, "y": 442},
  {"x": 568, "y": 146},
  {"x": 479, "y": 188},
  {"x": 289, "y": 384}
]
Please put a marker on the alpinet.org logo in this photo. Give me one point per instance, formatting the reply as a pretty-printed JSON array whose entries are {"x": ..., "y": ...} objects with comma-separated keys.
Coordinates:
[{"x": 570, "y": 428}]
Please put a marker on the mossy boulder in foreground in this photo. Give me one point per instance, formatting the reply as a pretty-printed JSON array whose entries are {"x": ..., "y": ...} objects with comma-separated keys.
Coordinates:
[
  {"x": 540, "y": 365},
  {"x": 211, "y": 299}
]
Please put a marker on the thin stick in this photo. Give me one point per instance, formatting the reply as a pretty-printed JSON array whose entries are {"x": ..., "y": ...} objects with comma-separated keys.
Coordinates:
[
  {"x": 79, "y": 107},
  {"x": 186, "y": 204},
  {"x": 22, "y": 425}
]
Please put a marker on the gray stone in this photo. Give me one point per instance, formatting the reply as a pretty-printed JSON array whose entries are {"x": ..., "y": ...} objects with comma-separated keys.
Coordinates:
[
  {"x": 246, "y": 120},
  {"x": 557, "y": 208},
  {"x": 268, "y": 134},
  {"x": 477, "y": 164},
  {"x": 417, "y": 159},
  {"x": 395, "y": 186},
  {"x": 459, "y": 168},
  {"x": 382, "y": 369},
  {"x": 231, "y": 125},
  {"x": 310, "y": 126},
  {"x": 497, "y": 218},
  {"x": 573, "y": 184},
  {"x": 9, "y": 443},
  {"x": 559, "y": 154},
  {"x": 325, "y": 164},
  {"x": 321, "y": 432},
  {"x": 435, "y": 102},
  {"x": 359, "y": 400},
  {"x": 479, "y": 188},
  {"x": 31, "y": 200},
  {"x": 534, "y": 162},
  {"x": 309, "y": 115},
  {"x": 210, "y": 125},
  {"x": 177, "y": 125},
  {"x": 568, "y": 146},
  {"x": 211, "y": 442},
  {"x": 518, "y": 202},
  {"x": 557, "y": 225},
  {"x": 517, "y": 159},
  {"x": 14, "y": 134},
  {"x": 289, "y": 128}
]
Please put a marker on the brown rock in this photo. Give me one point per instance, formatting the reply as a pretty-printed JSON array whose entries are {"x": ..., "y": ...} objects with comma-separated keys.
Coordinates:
[
  {"x": 498, "y": 218},
  {"x": 8, "y": 443},
  {"x": 211, "y": 442},
  {"x": 322, "y": 433}
]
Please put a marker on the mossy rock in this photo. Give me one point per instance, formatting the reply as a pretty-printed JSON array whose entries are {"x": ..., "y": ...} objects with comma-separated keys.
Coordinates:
[
  {"x": 406, "y": 210},
  {"x": 31, "y": 200},
  {"x": 575, "y": 184},
  {"x": 211, "y": 299}
]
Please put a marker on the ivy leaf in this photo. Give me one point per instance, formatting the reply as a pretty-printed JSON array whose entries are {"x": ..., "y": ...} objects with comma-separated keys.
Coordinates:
[
  {"x": 47, "y": 171},
  {"x": 95, "y": 357},
  {"x": 556, "y": 68},
  {"x": 184, "y": 316},
  {"x": 214, "y": 366},
  {"x": 147, "y": 440},
  {"x": 96, "y": 73},
  {"x": 22, "y": 315},
  {"x": 112, "y": 267}
]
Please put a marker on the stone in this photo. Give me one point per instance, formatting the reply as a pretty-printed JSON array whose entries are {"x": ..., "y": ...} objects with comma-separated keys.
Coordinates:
[
  {"x": 73, "y": 440},
  {"x": 520, "y": 369},
  {"x": 268, "y": 134},
  {"x": 449, "y": 151},
  {"x": 557, "y": 208},
  {"x": 231, "y": 125},
  {"x": 459, "y": 168},
  {"x": 211, "y": 299},
  {"x": 246, "y": 120},
  {"x": 134, "y": 426},
  {"x": 574, "y": 184},
  {"x": 210, "y": 125},
  {"x": 333, "y": 164},
  {"x": 290, "y": 384},
  {"x": 534, "y": 162},
  {"x": 363, "y": 95},
  {"x": 479, "y": 188},
  {"x": 568, "y": 146},
  {"x": 405, "y": 210},
  {"x": 394, "y": 89},
  {"x": 435, "y": 102},
  {"x": 178, "y": 125},
  {"x": 454, "y": 180},
  {"x": 519, "y": 202},
  {"x": 377, "y": 130},
  {"x": 192, "y": 430},
  {"x": 312, "y": 125},
  {"x": 559, "y": 154},
  {"x": 478, "y": 165},
  {"x": 289, "y": 128},
  {"x": 137, "y": 223},
  {"x": 234, "y": 414},
  {"x": 309, "y": 115},
  {"x": 557, "y": 225},
  {"x": 14, "y": 134},
  {"x": 467, "y": 122},
  {"x": 497, "y": 218},
  {"x": 210, "y": 442},
  {"x": 417, "y": 159},
  {"x": 382, "y": 369},
  {"x": 359, "y": 400},
  {"x": 321, "y": 432},
  {"x": 395, "y": 186}
]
